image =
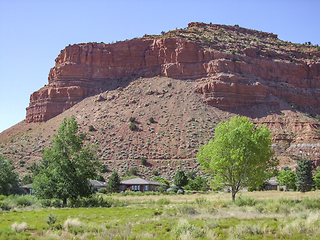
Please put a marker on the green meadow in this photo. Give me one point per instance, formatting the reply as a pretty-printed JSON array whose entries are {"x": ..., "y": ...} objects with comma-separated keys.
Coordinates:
[{"x": 199, "y": 216}]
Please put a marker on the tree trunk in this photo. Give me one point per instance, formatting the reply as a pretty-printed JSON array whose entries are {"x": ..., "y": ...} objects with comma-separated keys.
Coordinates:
[
  {"x": 233, "y": 194},
  {"x": 64, "y": 202}
]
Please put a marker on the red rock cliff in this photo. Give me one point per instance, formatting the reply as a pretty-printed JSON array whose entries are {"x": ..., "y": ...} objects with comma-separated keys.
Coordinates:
[{"x": 231, "y": 79}]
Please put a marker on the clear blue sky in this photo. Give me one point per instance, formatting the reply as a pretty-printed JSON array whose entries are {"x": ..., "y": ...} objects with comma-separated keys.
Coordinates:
[{"x": 32, "y": 33}]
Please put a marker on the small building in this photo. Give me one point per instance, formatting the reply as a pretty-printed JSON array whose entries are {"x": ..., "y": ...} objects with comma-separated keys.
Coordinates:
[
  {"x": 271, "y": 184},
  {"x": 28, "y": 188},
  {"x": 97, "y": 185},
  {"x": 139, "y": 184}
]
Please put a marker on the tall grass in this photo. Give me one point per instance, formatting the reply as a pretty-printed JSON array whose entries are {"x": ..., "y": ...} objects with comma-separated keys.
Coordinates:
[{"x": 163, "y": 218}]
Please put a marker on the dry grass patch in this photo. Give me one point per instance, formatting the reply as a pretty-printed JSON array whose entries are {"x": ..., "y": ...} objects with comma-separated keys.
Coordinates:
[
  {"x": 222, "y": 196},
  {"x": 20, "y": 227}
]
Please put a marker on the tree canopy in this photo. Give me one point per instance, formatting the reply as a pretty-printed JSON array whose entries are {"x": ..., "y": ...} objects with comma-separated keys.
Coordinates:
[
  {"x": 67, "y": 166},
  {"x": 180, "y": 179},
  {"x": 316, "y": 180},
  {"x": 240, "y": 154},
  {"x": 304, "y": 181},
  {"x": 114, "y": 182},
  {"x": 8, "y": 178},
  {"x": 287, "y": 178}
]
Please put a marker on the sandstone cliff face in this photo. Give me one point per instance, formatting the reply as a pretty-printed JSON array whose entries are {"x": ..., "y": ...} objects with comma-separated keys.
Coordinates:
[{"x": 226, "y": 80}]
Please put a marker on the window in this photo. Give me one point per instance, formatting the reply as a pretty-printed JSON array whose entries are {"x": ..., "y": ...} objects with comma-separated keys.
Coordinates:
[{"x": 145, "y": 187}]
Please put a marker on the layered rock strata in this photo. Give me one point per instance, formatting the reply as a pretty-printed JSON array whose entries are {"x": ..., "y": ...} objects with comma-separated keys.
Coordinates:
[{"x": 227, "y": 80}]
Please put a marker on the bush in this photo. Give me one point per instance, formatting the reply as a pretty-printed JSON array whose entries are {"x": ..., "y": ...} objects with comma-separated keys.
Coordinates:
[
  {"x": 151, "y": 120},
  {"x": 245, "y": 228},
  {"x": 186, "y": 209},
  {"x": 143, "y": 161},
  {"x": 104, "y": 169},
  {"x": 245, "y": 201},
  {"x": 155, "y": 172},
  {"x": 197, "y": 184},
  {"x": 51, "y": 219},
  {"x": 133, "y": 171},
  {"x": 19, "y": 227},
  {"x": 186, "y": 229},
  {"x": 22, "y": 200},
  {"x": 72, "y": 223},
  {"x": 91, "y": 128},
  {"x": 132, "y": 126},
  {"x": 132, "y": 119},
  {"x": 163, "y": 201},
  {"x": 180, "y": 179}
]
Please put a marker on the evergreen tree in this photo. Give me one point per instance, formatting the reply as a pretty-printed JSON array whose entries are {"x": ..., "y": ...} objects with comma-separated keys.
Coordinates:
[
  {"x": 114, "y": 182},
  {"x": 304, "y": 180},
  {"x": 180, "y": 179}
]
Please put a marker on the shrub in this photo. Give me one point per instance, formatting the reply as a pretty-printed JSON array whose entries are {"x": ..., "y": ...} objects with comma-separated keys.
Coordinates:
[
  {"x": 180, "y": 179},
  {"x": 72, "y": 223},
  {"x": 20, "y": 227},
  {"x": 91, "y": 128},
  {"x": 132, "y": 126},
  {"x": 187, "y": 230},
  {"x": 151, "y": 120},
  {"x": 245, "y": 201},
  {"x": 132, "y": 119},
  {"x": 56, "y": 203},
  {"x": 186, "y": 209},
  {"x": 133, "y": 171},
  {"x": 155, "y": 172},
  {"x": 163, "y": 201},
  {"x": 201, "y": 201},
  {"x": 245, "y": 228},
  {"x": 143, "y": 161},
  {"x": 22, "y": 200},
  {"x": 104, "y": 169},
  {"x": 51, "y": 219},
  {"x": 213, "y": 223},
  {"x": 103, "y": 190}
]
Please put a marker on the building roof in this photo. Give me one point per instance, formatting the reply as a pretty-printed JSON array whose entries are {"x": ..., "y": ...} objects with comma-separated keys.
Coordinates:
[
  {"x": 140, "y": 181},
  {"x": 96, "y": 183},
  {"x": 272, "y": 181},
  {"x": 26, "y": 186}
]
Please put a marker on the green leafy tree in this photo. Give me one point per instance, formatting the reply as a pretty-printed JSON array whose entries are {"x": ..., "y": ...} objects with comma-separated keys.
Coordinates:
[
  {"x": 8, "y": 178},
  {"x": 180, "y": 179},
  {"x": 161, "y": 180},
  {"x": 114, "y": 182},
  {"x": 316, "y": 180},
  {"x": 67, "y": 166},
  {"x": 26, "y": 180},
  {"x": 287, "y": 178},
  {"x": 100, "y": 178},
  {"x": 304, "y": 181},
  {"x": 192, "y": 175},
  {"x": 197, "y": 184},
  {"x": 240, "y": 154}
]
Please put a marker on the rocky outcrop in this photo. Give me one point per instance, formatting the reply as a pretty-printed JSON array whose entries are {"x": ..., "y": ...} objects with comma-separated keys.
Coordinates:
[
  {"x": 250, "y": 81},
  {"x": 85, "y": 69}
]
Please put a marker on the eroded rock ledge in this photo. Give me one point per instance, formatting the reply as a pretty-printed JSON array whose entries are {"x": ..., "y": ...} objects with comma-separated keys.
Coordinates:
[{"x": 226, "y": 80}]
